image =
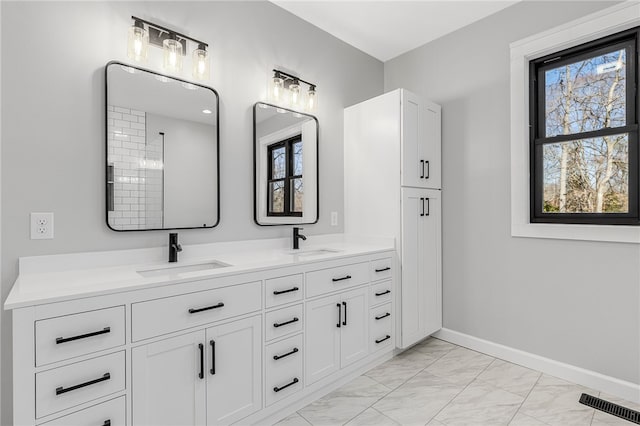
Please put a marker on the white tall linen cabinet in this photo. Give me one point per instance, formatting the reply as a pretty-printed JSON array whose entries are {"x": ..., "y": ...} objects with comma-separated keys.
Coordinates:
[{"x": 392, "y": 164}]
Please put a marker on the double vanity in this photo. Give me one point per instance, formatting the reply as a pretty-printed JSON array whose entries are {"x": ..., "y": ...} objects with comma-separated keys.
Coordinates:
[{"x": 242, "y": 332}]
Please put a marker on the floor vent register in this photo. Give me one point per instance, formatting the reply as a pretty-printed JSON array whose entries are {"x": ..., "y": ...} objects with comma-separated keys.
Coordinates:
[{"x": 611, "y": 408}]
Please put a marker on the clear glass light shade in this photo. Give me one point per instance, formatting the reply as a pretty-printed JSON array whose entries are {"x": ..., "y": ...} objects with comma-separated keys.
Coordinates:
[
  {"x": 312, "y": 100},
  {"x": 172, "y": 55},
  {"x": 276, "y": 90},
  {"x": 201, "y": 64},
  {"x": 294, "y": 95},
  {"x": 138, "y": 43}
]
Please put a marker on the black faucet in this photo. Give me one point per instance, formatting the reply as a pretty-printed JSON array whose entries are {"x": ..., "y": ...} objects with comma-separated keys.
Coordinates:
[
  {"x": 297, "y": 236},
  {"x": 174, "y": 247}
]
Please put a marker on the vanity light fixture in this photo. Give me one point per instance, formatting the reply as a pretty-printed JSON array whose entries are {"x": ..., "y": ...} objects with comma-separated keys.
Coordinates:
[
  {"x": 207, "y": 111},
  {"x": 285, "y": 91},
  {"x": 173, "y": 44}
]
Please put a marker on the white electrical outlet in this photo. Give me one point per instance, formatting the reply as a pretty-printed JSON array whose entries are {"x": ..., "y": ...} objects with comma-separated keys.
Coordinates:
[
  {"x": 334, "y": 218},
  {"x": 41, "y": 226}
]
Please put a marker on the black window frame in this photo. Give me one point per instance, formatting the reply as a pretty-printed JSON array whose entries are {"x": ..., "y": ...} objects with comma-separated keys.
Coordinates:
[
  {"x": 288, "y": 176},
  {"x": 537, "y": 126}
]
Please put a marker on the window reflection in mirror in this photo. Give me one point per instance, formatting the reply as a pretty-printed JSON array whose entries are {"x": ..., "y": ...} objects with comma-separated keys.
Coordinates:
[{"x": 286, "y": 172}]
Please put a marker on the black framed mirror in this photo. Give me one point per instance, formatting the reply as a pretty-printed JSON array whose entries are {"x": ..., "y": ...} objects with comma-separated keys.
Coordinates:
[
  {"x": 285, "y": 166},
  {"x": 162, "y": 151}
]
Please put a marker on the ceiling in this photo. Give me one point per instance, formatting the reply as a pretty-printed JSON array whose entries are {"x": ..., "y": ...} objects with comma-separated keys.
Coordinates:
[{"x": 386, "y": 29}]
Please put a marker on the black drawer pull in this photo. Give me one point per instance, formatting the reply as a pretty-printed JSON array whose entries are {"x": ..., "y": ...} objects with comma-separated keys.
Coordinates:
[
  {"x": 293, "y": 382},
  {"x": 383, "y": 339},
  {"x": 276, "y": 292},
  {"x": 193, "y": 311},
  {"x": 422, "y": 164},
  {"x": 346, "y": 277},
  {"x": 383, "y": 269},
  {"x": 276, "y": 325},
  {"x": 383, "y": 316},
  {"x": 428, "y": 208},
  {"x": 201, "y": 373},
  {"x": 422, "y": 203},
  {"x": 107, "y": 422},
  {"x": 427, "y": 164},
  {"x": 82, "y": 336},
  {"x": 339, "y": 314},
  {"x": 213, "y": 357},
  {"x": 61, "y": 390},
  {"x": 345, "y": 313},
  {"x": 293, "y": 351},
  {"x": 383, "y": 293}
]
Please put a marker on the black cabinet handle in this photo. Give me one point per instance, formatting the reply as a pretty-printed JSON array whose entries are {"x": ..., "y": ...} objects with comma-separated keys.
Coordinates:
[
  {"x": 82, "y": 336},
  {"x": 293, "y": 351},
  {"x": 383, "y": 293},
  {"x": 293, "y": 382},
  {"x": 383, "y": 269},
  {"x": 422, "y": 165},
  {"x": 339, "y": 315},
  {"x": 383, "y": 316},
  {"x": 422, "y": 204},
  {"x": 276, "y": 325},
  {"x": 60, "y": 390},
  {"x": 346, "y": 277},
  {"x": 213, "y": 357},
  {"x": 276, "y": 292},
  {"x": 428, "y": 207},
  {"x": 345, "y": 313},
  {"x": 196, "y": 310},
  {"x": 107, "y": 422},
  {"x": 383, "y": 339},
  {"x": 427, "y": 175},
  {"x": 201, "y": 347}
]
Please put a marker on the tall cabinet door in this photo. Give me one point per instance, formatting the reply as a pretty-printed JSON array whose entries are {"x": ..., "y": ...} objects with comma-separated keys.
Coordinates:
[
  {"x": 421, "y": 132},
  {"x": 322, "y": 338},
  {"x": 167, "y": 388},
  {"x": 233, "y": 370},
  {"x": 354, "y": 333},
  {"x": 421, "y": 288}
]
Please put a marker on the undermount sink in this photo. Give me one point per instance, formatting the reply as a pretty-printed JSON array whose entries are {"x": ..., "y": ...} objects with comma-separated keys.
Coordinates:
[
  {"x": 312, "y": 252},
  {"x": 177, "y": 270}
]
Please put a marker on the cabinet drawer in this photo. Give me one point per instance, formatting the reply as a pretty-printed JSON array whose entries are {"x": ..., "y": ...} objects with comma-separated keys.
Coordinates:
[
  {"x": 70, "y": 336},
  {"x": 381, "y": 326},
  {"x": 74, "y": 384},
  {"x": 283, "y": 321},
  {"x": 283, "y": 290},
  {"x": 380, "y": 293},
  {"x": 170, "y": 314},
  {"x": 381, "y": 269},
  {"x": 341, "y": 277},
  {"x": 108, "y": 413},
  {"x": 283, "y": 365}
]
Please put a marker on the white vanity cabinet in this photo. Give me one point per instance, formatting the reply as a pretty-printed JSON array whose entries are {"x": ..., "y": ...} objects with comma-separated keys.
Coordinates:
[{"x": 248, "y": 347}]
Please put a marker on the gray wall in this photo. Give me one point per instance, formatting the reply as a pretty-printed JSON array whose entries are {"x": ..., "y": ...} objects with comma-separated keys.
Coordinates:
[
  {"x": 53, "y": 57},
  {"x": 571, "y": 301}
]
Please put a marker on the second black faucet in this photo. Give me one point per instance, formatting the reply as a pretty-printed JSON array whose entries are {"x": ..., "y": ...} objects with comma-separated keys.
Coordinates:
[
  {"x": 297, "y": 236},
  {"x": 174, "y": 247}
]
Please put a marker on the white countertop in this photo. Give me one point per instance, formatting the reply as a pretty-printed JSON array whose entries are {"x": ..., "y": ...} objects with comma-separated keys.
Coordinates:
[{"x": 55, "y": 278}]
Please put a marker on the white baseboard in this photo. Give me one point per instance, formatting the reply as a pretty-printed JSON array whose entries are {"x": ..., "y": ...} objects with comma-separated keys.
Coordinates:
[{"x": 616, "y": 387}]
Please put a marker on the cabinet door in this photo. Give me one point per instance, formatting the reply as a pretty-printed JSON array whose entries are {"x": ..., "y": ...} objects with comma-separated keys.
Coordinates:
[
  {"x": 420, "y": 142},
  {"x": 322, "y": 344},
  {"x": 167, "y": 388},
  {"x": 421, "y": 288},
  {"x": 354, "y": 332},
  {"x": 234, "y": 385}
]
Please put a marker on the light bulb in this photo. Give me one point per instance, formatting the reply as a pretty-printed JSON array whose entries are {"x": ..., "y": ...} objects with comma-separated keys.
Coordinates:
[
  {"x": 138, "y": 43},
  {"x": 172, "y": 53},
  {"x": 294, "y": 94},
  {"x": 312, "y": 99},
  {"x": 276, "y": 92},
  {"x": 201, "y": 62}
]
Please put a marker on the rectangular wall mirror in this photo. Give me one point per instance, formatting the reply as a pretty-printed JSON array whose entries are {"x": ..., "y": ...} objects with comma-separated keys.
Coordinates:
[
  {"x": 285, "y": 155},
  {"x": 162, "y": 138}
]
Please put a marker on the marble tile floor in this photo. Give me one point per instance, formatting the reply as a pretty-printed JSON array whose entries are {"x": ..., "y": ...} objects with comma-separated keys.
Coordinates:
[{"x": 438, "y": 383}]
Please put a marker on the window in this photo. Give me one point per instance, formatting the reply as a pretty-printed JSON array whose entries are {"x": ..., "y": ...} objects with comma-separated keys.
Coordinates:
[
  {"x": 285, "y": 185},
  {"x": 584, "y": 156}
]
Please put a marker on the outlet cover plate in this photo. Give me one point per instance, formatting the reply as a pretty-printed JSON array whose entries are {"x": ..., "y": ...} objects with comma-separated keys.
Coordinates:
[{"x": 42, "y": 226}]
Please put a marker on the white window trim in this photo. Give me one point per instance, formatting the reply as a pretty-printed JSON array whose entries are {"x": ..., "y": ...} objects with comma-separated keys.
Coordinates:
[{"x": 591, "y": 27}]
